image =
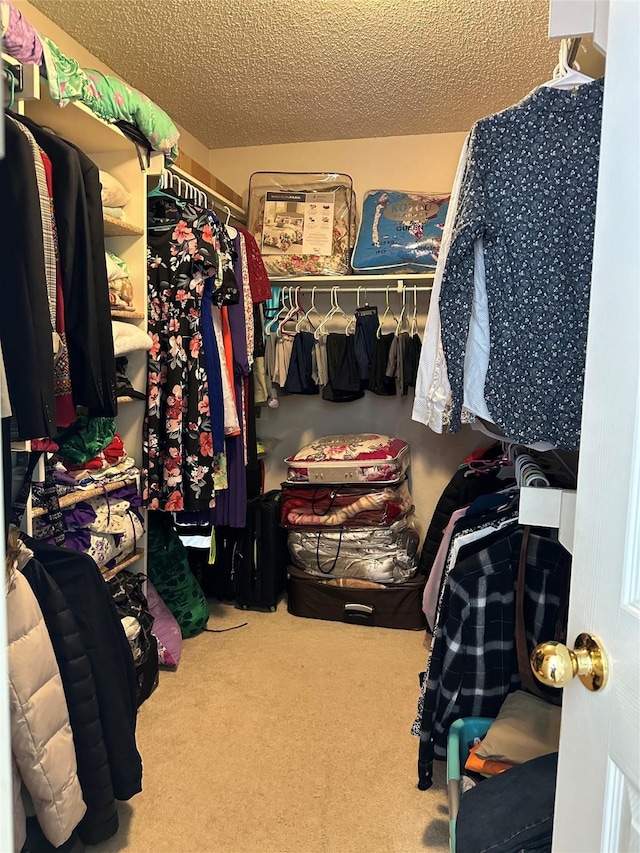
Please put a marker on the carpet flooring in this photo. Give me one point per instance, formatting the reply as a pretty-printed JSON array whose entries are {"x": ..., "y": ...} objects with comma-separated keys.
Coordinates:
[{"x": 287, "y": 735}]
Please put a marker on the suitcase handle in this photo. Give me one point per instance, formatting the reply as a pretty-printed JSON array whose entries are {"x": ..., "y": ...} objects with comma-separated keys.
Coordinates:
[{"x": 360, "y": 613}]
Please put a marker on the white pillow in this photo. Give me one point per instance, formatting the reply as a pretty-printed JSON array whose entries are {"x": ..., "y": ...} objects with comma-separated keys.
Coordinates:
[
  {"x": 129, "y": 338},
  {"x": 113, "y": 193}
]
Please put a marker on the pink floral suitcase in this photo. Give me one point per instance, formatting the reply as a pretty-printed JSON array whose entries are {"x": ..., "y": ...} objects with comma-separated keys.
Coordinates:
[{"x": 360, "y": 458}]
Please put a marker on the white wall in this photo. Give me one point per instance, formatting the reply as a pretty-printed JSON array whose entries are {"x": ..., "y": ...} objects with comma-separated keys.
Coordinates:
[
  {"x": 425, "y": 163},
  {"x": 418, "y": 163}
]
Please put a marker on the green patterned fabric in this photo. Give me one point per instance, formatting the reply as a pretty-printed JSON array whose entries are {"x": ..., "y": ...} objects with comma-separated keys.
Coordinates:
[
  {"x": 168, "y": 570},
  {"x": 85, "y": 438},
  {"x": 109, "y": 98}
]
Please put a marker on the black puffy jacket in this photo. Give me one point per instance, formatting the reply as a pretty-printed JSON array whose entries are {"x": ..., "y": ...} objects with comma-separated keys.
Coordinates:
[
  {"x": 108, "y": 650},
  {"x": 101, "y": 819}
]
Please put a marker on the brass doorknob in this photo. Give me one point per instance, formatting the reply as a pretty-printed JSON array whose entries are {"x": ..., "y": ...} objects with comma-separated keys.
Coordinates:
[{"x": 555, "y": 665}]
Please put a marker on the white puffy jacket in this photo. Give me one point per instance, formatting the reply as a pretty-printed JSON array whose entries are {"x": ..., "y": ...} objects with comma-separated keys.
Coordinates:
[{"x": 44, "y": 758}]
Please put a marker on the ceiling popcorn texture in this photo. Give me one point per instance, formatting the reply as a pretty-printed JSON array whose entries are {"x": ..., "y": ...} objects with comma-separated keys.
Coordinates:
[{"x": 254, "y": 72}]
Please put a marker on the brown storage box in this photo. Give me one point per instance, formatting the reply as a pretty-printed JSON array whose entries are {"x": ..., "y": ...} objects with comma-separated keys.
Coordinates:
[{"x": 384, "y": 606}]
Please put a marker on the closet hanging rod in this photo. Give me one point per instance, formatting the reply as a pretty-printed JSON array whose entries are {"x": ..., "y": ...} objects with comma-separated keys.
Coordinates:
[
  {"x": 392, "y": 288},
  {"x": 215, "y": 198},
  {"x": 574, "y": 44}
]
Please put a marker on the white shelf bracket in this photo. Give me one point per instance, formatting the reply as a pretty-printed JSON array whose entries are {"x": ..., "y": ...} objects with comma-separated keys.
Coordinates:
[{"x": 546, "y": 507}]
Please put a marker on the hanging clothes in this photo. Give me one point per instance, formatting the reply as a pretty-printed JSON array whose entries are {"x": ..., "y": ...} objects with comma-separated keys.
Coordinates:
[
  {"x": 528, "y": 193},
  {"x": 300, "y": 373},
  {"x": 473, "y": 662},
  {"x": 65, "y": 409},
  {"x": 107, "y": 647},
  {"x": 342, "y": 367},
  {"x": 177, "y": 440},
  {"x": 379, "y": 382},
  {"x": 42, "y": 751},
  {"x": 80, "y": 232},
  {"x": 25, "y": 330},
  {"x": 259, "y": 283}
]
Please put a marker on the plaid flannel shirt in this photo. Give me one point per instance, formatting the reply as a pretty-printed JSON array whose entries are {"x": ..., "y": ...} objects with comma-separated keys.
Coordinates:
[{"x": 473, "y": 663}]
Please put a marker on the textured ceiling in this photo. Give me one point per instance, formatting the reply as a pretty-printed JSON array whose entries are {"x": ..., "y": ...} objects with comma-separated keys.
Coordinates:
[{"x": 252, "y": 72}]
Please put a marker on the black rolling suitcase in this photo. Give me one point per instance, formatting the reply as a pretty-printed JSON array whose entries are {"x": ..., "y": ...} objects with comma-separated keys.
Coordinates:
[{"x": 261, "y": 555}]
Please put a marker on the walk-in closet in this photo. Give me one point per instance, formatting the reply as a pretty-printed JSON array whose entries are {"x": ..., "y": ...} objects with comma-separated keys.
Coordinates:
[{"x": 319, "y": 358}]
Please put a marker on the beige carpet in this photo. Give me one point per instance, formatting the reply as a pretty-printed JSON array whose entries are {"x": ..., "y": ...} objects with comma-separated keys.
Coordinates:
[{"x": 286, "y": 736}]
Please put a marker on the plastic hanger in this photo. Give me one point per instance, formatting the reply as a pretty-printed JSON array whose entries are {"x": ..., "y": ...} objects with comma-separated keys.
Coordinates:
[
  {"x": 387, "y": 311},
  {"x": 294, "y": 310},
  {"x": 366, "y": 301},
  {"x": 159, "y": 191},
  {"x": 403, "y": 314},
  {"x": 11, "y": 82},
  {"x": 413, "y": 325},
  {"x": 349, "y": 319},
  {"x": 305, "y": 317},
  {"x": 332, "y": 310},
  {"x": 564, "y": 76},
  {"x": 232, "y": 232},
  {"x": 284, "y": 307}
]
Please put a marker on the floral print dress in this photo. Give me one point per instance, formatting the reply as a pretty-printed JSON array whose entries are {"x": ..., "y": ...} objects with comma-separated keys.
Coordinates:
[{"x": 182, "y": 470}]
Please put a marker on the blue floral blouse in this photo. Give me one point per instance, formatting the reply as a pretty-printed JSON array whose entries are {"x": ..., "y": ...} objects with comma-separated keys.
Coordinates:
[{"x": 529, "y": 192}]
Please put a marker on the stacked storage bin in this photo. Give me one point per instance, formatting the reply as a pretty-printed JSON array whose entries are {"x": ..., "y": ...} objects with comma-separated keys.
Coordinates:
[{"x": 347, "y": 508}]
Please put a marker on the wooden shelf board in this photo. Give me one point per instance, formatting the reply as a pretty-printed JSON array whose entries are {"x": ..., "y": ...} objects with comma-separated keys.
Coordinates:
[
  {"x": 130, "y": 400},
  {"x": 87, "y": 494},
  {"x": 119, "y": 228},
  {"x": 107, "y": 574},
  {"x": 78, "y": 124},
  {"x": 127, "y": 315}
]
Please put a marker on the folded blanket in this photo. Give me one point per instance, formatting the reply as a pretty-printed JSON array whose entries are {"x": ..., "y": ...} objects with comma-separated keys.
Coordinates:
[
  {"x": 20, "y": 40},
  {"x": 383, "y": 555},
  {"x": 113, "y": 193},
  {"x": 129, "y": 338},
  {"x": 109, "y": 98}
]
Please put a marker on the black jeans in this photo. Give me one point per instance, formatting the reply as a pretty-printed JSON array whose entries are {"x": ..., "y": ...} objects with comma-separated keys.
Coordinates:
[{"x": 510, "y": 813}]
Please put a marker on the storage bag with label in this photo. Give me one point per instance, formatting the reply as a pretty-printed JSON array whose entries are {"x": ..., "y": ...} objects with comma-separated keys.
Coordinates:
[
  {"x": 303, "y": 222},
  {"x": 400, "y": 232}
]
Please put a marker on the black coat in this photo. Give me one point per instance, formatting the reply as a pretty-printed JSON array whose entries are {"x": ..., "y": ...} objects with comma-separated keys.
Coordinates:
[
  {"x": 108, "y": 649},
  {"x": 25, "y": 323},
  {"x": 101, "y": 819},
  {"x": 79, "y": 222},
  {"x": 463, "y": 488}
]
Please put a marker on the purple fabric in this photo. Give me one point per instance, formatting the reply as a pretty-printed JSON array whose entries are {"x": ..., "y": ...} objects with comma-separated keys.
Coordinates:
[
  {"x": 237, "y": 321},
  {"x": 231, "y": 503},
  {"x": 21, "y": 40},
  {"x": 126, "y": 493},
  {"x": 165, "y": 626},
  {"x": 79, "y": 515},
  {"x": 77, "y": 540}
]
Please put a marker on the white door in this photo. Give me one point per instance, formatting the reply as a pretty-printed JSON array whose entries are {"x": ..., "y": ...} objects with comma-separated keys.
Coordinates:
[{"x": 598, "y": 794}]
